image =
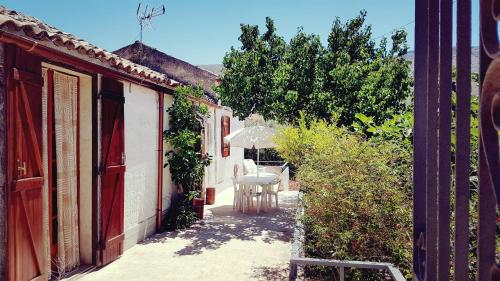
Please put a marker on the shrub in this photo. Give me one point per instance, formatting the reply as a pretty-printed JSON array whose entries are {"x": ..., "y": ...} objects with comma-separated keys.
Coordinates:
[
  {"x": 357, "y": 205},
  {"x": 181, "y": 214}
]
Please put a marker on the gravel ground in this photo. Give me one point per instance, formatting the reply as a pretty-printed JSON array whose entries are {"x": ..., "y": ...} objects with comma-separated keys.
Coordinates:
[{"x": 227, "y": 245}]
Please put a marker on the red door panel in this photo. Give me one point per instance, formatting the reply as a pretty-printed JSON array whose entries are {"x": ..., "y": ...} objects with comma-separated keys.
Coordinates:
[
  {"x": 113, "y": 171},
  {"x": 26, "y": 259}
]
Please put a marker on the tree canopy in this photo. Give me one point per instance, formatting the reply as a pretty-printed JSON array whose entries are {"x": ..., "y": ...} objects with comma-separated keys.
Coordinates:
[{"x": 352, "y": 74}]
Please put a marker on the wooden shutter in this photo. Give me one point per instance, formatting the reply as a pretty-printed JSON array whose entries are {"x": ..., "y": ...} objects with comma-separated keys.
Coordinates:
[
  {"x": 113, "y": 171},
  {"x": 26, "y": 256},
  {"x": 225, "y": 130}
]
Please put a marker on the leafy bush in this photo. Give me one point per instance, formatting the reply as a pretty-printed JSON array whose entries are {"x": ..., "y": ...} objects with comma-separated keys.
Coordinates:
[
  {"x": 180, "y": 215},
  {"x": 186, "y": 162},
  {"x": 357, "y": 207},
  {"x": 399, "y": 131}
]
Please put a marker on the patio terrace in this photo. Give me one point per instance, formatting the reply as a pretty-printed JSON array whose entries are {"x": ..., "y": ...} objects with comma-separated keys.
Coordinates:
[{"x": 226, "y": 245}]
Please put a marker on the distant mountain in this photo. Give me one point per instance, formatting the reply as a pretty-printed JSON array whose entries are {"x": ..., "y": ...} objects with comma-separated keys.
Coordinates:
[
  {"x": 214, "y": 68},
  {"x": 474, "y": 58},
  {"x": 217, "y": 68}
]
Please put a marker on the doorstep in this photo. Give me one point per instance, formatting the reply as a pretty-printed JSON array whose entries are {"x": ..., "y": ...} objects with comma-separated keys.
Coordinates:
[{"x": 79, "y": 273}]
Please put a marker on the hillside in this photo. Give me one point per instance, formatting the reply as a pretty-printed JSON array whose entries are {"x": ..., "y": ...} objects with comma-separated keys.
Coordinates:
[
  {"x": 474, "y": 58},
  {"x": 217, "y": 68}
]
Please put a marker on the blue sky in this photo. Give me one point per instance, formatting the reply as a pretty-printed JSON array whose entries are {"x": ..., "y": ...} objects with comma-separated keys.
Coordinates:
[{"x": 202, "y": 31}]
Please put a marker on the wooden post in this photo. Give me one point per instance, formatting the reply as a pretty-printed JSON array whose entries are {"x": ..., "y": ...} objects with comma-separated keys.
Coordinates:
[{"x": 3, "y": 188}]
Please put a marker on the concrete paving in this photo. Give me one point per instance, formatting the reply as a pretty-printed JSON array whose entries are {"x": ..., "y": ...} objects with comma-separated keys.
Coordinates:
[{"x": 227, "y": 245}]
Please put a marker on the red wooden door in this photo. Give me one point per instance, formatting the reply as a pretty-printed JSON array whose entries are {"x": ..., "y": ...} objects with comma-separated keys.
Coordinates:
[
  {"x": 26, "y": 259},
  {"x": 113, "y": 171}
]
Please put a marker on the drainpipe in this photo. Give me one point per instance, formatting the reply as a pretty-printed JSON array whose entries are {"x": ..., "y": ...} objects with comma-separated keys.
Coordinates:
[{"x": 159, "y": 208}]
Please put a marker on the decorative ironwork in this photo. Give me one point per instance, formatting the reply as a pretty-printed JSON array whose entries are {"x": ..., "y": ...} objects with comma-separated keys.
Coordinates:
[
  {"x": 489, "y": 134},
  {"x": 432, "y": 148}
]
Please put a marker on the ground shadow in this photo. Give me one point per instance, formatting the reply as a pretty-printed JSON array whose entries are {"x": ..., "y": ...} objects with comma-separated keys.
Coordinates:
[
  {"x": 224, "y": 224},
  {"x": 271, "y": 273}
]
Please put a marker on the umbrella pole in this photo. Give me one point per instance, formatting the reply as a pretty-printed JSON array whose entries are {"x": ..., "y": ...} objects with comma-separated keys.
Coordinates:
[{"x": 258, "y": 162}]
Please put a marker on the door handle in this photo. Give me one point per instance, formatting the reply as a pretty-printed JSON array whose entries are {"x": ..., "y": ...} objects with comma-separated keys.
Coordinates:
[
  {"x": 124, "y": 158},
  {"x": 21, "y": 168}
]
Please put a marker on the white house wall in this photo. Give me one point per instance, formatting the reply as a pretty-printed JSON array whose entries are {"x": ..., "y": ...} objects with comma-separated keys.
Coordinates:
[
  {"x": 211, "y": 148},
  {"x": 141, "y": 145},
  {"x": 219, "y": 173},
  {"x": 224, "y": 165}
]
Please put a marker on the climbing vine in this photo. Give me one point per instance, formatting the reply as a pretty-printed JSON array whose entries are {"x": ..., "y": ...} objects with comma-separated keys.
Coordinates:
[{"x": 185, "y": 160}]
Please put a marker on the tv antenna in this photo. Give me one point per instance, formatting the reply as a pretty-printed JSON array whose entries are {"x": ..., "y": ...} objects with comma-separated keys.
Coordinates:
[{"x": 146, "y": 15}]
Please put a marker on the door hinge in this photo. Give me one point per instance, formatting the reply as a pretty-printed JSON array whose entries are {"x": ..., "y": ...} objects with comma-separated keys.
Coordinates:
[
  {"x": 102, "y": 245},
  {"x": 99, "y": 170}
]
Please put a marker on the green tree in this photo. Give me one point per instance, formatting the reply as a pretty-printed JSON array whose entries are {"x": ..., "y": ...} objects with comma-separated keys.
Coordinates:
[
  {"x": 301, "y": 84},
  {"x": 252, "y": 73},
  {"x": 363, "y": 78},
  {"x": 352, "y": 75}
]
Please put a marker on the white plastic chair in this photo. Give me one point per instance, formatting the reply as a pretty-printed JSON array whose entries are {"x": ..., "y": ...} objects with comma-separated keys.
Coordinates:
[
  {"x": 237, "y": 193},
  {"x": 249, "y": 167},
  {"x": 247, "y": 193},
  {"x": 273, "y": 190}
]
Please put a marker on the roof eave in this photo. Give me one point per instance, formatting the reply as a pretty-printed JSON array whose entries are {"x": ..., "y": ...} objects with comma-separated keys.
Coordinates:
[{"x": 72, "y": 56}]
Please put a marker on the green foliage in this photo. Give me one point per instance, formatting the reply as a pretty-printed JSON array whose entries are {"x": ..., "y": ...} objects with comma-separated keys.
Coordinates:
[
  {"x": 181, "y": 214},
  {"x": 185, "y": 160},
  {"x": 399, "y": 130},
  {"x": 353, "y": 197},
  {"x": 253, "y": 73},
  {"x": 351, "y": 75},
  {"x": 184, "y": 114},
  {"x": 295, "y": 143}
]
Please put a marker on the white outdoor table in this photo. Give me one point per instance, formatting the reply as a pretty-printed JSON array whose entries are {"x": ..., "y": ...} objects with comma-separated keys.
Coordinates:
[{"x": 265, "y": 180}]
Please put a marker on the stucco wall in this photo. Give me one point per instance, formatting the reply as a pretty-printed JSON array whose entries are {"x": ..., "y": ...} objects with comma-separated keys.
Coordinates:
[
  {"x": 210, "y": 179},
  {"x": 3, "y": 188},
  {"x": 141, "y": 148},
  {"x": 224, "y": 165}
]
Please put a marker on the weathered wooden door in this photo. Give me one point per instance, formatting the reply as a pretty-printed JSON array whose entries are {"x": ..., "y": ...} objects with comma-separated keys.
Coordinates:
[
  {"x": 26, "y": 256},
  {"x": 113, "y": 170}
]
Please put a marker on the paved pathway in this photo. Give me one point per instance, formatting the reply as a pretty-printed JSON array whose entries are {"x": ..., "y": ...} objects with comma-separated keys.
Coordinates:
[{"x": 226, "y": 246}]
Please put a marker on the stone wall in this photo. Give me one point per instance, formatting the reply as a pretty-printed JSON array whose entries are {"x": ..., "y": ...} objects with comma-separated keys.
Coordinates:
[{"x": 3, "y": 187}]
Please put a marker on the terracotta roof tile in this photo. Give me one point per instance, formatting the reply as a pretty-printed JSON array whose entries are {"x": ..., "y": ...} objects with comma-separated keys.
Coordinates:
[
  {"x": 172, "y": 67},
  {"x": 36, "y": 29}
]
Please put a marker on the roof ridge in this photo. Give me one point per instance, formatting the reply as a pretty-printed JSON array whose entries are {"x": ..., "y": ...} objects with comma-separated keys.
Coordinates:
[{"x": 164, "y": 53}]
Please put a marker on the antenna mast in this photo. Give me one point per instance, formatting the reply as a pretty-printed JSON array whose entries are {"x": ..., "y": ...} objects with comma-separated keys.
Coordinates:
[{"x": 146, "y": 15}]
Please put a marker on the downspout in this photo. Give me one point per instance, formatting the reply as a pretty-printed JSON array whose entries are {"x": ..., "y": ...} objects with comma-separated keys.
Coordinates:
[{"x": 159, "y": 208}]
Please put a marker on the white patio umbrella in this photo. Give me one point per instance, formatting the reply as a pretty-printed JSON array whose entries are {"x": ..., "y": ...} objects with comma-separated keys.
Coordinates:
[{"x": 252, "y": 137}]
